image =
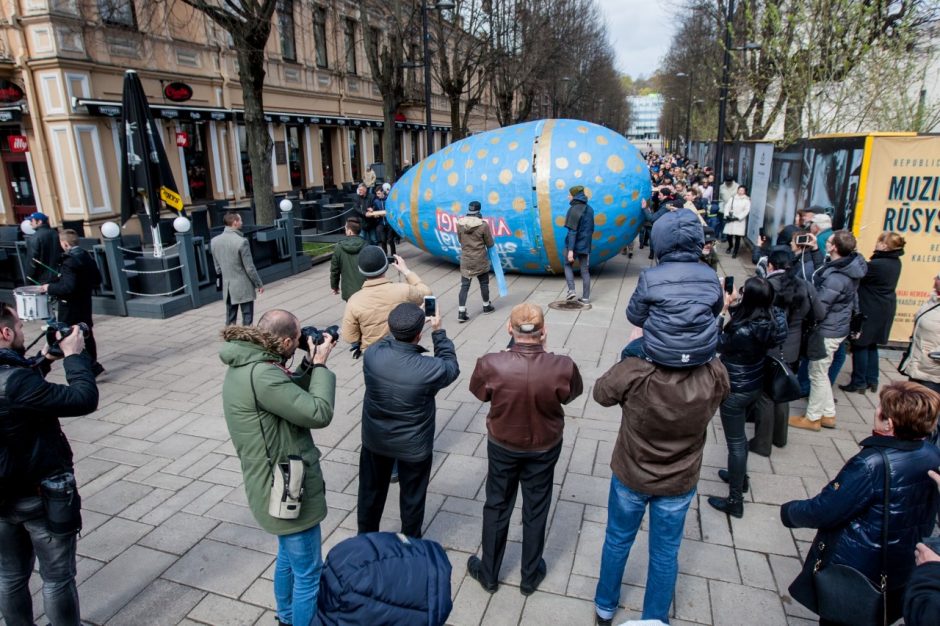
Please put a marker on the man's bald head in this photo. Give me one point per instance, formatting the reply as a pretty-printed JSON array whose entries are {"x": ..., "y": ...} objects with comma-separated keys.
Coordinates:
[{"x": 279, "y": 323}]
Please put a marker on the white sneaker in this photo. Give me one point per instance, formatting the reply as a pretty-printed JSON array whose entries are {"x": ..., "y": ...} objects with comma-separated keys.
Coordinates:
[{"x": 571, "y": 296}]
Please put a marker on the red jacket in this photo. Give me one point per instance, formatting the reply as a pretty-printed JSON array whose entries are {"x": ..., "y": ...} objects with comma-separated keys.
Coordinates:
[{"x": 526, "y": 388}]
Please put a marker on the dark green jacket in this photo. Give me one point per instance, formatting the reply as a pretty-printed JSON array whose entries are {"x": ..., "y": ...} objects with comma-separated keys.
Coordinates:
[
  {"x": 344, "y": 266},
  {"x": 288, "y": 406}
]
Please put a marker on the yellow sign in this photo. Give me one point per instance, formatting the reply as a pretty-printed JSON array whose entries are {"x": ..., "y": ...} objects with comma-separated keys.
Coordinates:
[
  {"x": 900, "y": 192},
  {"x": 171, "y": 198}
]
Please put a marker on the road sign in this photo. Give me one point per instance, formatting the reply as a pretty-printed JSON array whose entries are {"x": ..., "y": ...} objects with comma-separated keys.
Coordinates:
[{"x": 171, "y": 198}]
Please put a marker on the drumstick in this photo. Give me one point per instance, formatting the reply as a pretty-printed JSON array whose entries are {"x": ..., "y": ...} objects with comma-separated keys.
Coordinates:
[
  {"x": 34, "y": 280},
  {"x": 51, "y": 269}
]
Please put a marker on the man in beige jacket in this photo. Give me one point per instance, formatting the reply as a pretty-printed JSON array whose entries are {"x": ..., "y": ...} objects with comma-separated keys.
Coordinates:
[{"x": 365, "y": 320}]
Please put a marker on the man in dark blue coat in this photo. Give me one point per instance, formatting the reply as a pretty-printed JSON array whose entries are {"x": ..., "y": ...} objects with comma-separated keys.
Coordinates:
[
  {"x": 398, "y": 412},
  {"x": 580, "y": 224}
]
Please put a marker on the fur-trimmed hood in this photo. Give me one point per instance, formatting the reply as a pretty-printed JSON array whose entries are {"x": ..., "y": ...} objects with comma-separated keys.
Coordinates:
[{"x": 245, "y": 345}]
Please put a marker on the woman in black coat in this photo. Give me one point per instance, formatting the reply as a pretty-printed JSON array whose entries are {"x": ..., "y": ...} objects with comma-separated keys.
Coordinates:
[
  {"x": 849, "y": 511},
  {"x": 755, "y": 327},
  {"x": 877, "y": 301}
]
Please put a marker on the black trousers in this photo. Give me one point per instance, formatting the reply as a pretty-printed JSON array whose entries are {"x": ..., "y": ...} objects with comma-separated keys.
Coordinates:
[
  {"x": 231, "y": 312},
  {"x": 375, "y": 473},
  {"x": 507, "y": 469},
  {"x": 771, "y": 425},
  {"x": 465, "y": 281}
]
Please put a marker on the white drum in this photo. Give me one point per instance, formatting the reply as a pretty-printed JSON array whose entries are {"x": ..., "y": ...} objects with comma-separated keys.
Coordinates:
[{"x": 31, "y": 304}]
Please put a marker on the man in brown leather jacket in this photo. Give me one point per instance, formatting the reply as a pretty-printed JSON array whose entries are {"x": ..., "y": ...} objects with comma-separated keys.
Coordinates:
[{"x": 526, "y": 387}]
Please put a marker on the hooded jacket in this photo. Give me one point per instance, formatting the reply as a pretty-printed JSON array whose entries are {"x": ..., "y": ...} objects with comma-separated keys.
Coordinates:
[
  {"x": 398, "y": 408},
  {"x": 475, "y": 242},
  {"x": 677, "y": 301},
  {"x": 32, "y": 444},
  {"x": 365, "y": 319},
  {"x": 269, "y": 409},
  {"x": 836, "y": 285},
  {"x": 580, "y": 224},
  {"x": 849, "y": 514},
  {"x": 344, "y": 266},
  {"x": 78, "y": 277}
]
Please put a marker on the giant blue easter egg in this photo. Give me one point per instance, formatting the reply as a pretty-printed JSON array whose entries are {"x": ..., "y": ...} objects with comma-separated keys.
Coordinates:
[{"x": 521, "y": 175}]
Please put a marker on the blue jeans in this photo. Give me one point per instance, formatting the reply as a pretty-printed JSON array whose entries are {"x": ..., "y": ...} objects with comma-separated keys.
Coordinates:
[
  {"x": 625, "y": 510},
  {"x": 23, "y": 539},
  {"x": 634, "y": 348},
  {"x": 297, "y": 576},
  {"x": 865, "y": 366},
  {"x": 585, "y": 261}
]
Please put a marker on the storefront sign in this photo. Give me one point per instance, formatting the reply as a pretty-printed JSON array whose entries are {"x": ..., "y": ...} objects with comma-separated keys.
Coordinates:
[
  {"x": 18, "y": 143},
  {"x": 10, "y": 92},
  {"x": 182, "y": 139},
  {"x": 178, "y": 92},
  {"x": 172, "y": 199},
  {"x": 900, "y": 192}
]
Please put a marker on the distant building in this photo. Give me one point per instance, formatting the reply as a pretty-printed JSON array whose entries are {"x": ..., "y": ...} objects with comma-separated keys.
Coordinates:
[{"x": 644, "y": 116}]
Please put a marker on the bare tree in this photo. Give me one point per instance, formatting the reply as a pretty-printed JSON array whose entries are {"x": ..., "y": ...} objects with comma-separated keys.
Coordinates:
[
  {"x": 249, "y": 24},
  {"x": 462, "y": 56}
]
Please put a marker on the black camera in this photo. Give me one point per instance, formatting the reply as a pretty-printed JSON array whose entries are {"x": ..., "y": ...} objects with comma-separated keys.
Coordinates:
[
  {"x": 52, "y": 327},
  {"x": 312, "y": 332}
]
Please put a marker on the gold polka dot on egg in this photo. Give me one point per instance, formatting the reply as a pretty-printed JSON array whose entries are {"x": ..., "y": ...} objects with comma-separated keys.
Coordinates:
[
  {"x": 427, "y": 194},
  {"x": 577, "y": 173},
  {"x": 615, "y": 163},
  {"x": 602, "y": 140},
  {"x": 452, "y": 179},
  {"x": 493, "y": 198},
  {"x": 582, "y": 129},
  {"x": 432, "y": 163},
  {"x": 522, "y": 165},
  {"x": 598, "y": 179},
  {"x": 620, "y": 220},
  {"x": 560, "y": 220},
  {"x": 469, "y": 188},
  {"x": 483, "y": 177},
  {"x": 468, "y": 164},
  {"x": 481, "y": 153},
  {"x": 584, "y": 158},
  {"x": 505, "y": 177},
  {"x": 449, "y": 163},
  {"x": 597, "y": 235},
  {"x": 494, "y": 140},
  {"x": 455, "y": 206},
  {"x": 519, "y": 204},
  {"x": 608, "y": 199},
  {"x": 600, "y": 219},
  {"x": 634, "y": 195},
  {"x": 513, "y": 145},
  {"x": 465, "y": 147},
  {"x": 561, "y": 163},
  {"x": 559, "y": 184},
  {"x": 572, "y": 144}
]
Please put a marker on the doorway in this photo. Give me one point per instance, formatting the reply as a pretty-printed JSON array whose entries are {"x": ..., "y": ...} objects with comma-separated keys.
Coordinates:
[
  {"x": 196, "y": 161},
  {"x": 19, "y": 182},
  {"x": 326, "y": 156},
  {"x": 295, "y": 158}
]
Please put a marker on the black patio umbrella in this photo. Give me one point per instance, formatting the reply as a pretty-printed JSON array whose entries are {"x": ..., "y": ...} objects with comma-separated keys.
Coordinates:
[{"x": 146, "y": 179}]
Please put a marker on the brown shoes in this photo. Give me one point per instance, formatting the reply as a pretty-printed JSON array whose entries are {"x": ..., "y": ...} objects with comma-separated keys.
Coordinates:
[
  {"x": 828, "y": 421},
  {"x": 801, "y": 421}
]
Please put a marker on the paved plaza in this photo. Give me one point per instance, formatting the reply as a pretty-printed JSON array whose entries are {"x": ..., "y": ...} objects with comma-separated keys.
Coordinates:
[{"x": 168, "y": 537}]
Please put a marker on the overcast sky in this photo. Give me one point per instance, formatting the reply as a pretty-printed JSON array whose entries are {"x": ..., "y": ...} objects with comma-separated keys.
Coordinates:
[{"x": 640, "y": 33}]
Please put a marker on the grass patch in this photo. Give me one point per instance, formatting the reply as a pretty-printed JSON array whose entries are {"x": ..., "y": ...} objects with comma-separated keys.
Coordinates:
[{"x": 313, "y": 248}]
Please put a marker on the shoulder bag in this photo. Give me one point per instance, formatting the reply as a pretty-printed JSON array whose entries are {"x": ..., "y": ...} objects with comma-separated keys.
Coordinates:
[
  {"x": 846, "y": 596},
  {"x": 780, "y": 383}
]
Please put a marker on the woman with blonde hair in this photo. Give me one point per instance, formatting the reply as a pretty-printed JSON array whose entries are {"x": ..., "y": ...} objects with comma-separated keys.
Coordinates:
[{"x": 877, "y": 301}]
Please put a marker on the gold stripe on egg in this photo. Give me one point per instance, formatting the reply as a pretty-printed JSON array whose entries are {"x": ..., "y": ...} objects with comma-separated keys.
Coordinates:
[
  {"x": 414, "y": 198},
  {"x": 543, "y": 161}
]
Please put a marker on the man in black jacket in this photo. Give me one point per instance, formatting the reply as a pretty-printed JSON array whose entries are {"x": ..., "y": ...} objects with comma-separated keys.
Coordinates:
[
  {"x": 35, "y": 462},
  {"x": 42, "y": 249},
  {"x": 78, "y": 277},
  {"x": 398, "y": 413}
]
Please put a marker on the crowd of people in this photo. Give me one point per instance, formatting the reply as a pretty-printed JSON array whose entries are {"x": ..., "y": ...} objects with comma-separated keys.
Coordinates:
[{"x": 700, "y": 346}]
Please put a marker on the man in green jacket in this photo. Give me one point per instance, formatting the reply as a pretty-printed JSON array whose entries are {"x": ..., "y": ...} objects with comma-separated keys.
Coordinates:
[
  {"x": 344, "y": 266},
  {"x": 269, "y": 411}
]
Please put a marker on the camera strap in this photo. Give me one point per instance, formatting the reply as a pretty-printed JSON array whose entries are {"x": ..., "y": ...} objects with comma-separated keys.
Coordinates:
[{"x": 254, "y": 395}]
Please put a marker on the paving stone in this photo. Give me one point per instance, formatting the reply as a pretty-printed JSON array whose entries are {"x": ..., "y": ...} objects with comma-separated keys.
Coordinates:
[
  {"x": 772, "y": 489},
  {"x": 469, "y": 604},
  {"x": 117, "y": 583},
  {"x": 112, "y": 538},
  {"x": 457, "y": 532},
  {"x": 261, "y": 593},
  {"x": 585, "y": 489},
  {"x": 146, "y": 504},
  {"x": 505, "y": 607},
  {"x": 708, "y": 561},
  {"x": 760, "y": 530},
  {"x": 785, "y": 570},
  {"x": 118, "y": 496},
  {"x": 162, "y": 603},
  {"x": 560, "y": 545},
  {"x": 178, "y": 533},
  {"x": 454, "y": 442},
  {"x": 755, "y": 569},
  {"x": 459, "y": 475},
  {"x": 548, "y": 608},
  {"x": 691, "y": 601},
  {"x": 219, "y": 568},
  {"x": 225, "y": 612},
  {"x": 737, "y": 604}
]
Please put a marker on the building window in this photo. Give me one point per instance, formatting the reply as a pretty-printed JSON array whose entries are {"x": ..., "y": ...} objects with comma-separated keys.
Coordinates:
[
  {"x": 355, "y": 164},
  {"x": 117, "y": 13},
  {"x": 376, "y": 36},
  {"x": 377, "y": 146},
  {"x": 285, "y": 20},
  {"x": 319, "y": 35},
  {"x": 349, "y": 29}
]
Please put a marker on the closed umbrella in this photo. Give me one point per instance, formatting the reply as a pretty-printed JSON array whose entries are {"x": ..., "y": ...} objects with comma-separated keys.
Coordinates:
[{"x": 146, "y": 177}]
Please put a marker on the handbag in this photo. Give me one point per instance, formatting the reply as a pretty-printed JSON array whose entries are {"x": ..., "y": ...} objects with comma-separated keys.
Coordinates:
[
  {"x": 780, "y": 383},
  {"x": 846, "y": 596}
]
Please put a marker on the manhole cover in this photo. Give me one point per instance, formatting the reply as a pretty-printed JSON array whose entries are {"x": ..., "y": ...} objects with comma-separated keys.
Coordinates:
[{"x": 569, "y": 305}]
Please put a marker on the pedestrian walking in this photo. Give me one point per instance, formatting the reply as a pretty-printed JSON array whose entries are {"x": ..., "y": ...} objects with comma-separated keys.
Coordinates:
[
  {"x": 736, "y": 211},
  {"x": 476, "y": 239},
  {"x": 231, "y": 255}
]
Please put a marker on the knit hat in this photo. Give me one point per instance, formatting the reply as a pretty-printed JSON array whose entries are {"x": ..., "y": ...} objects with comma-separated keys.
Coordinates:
[
  {"x": 42, "y": 217},
  {"x": 475, "y": 208},
  {"x": 405, "y": 321},
  {"x": 372, "y": 261},
  {"x": 526, "y": 318},
  {"x": 576, "y": 190}
]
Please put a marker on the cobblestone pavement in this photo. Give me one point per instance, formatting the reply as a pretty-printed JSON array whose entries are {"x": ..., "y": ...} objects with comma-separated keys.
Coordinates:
[{"x": 168, "y": 538}]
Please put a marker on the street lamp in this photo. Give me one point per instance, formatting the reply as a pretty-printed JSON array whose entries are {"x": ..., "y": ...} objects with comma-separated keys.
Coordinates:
[
  {"x": 688, "y": 112},
  {"x": 441, "y": 5}
]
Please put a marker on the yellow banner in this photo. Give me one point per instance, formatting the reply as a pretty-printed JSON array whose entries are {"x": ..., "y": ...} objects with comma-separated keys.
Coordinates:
[
  {"x": 172, "y": 199},
  {"x": 901, "y": 193}
]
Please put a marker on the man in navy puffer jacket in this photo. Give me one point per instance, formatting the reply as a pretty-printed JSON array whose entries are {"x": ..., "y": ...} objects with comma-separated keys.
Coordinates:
[{"x": 677, "y": 301}]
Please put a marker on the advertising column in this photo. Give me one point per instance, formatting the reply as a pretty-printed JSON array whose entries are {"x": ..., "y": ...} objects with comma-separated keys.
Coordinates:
[{"x": 900, "y": 192}]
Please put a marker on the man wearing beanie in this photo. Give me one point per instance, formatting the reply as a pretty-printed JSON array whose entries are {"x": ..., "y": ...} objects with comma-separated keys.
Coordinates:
[
  {"x": 398, "y": 411},
  {"x": 475, "y": 242},
  {"x": 527, "y": 389},
  {"x": 580, "y": 224},
  {"x": 365, "y": 320}
]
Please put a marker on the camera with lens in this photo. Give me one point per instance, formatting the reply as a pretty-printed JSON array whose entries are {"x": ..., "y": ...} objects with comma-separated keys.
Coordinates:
[
  {"x": 312, "y": 332},
  {"x": 64, "y": 330}
]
